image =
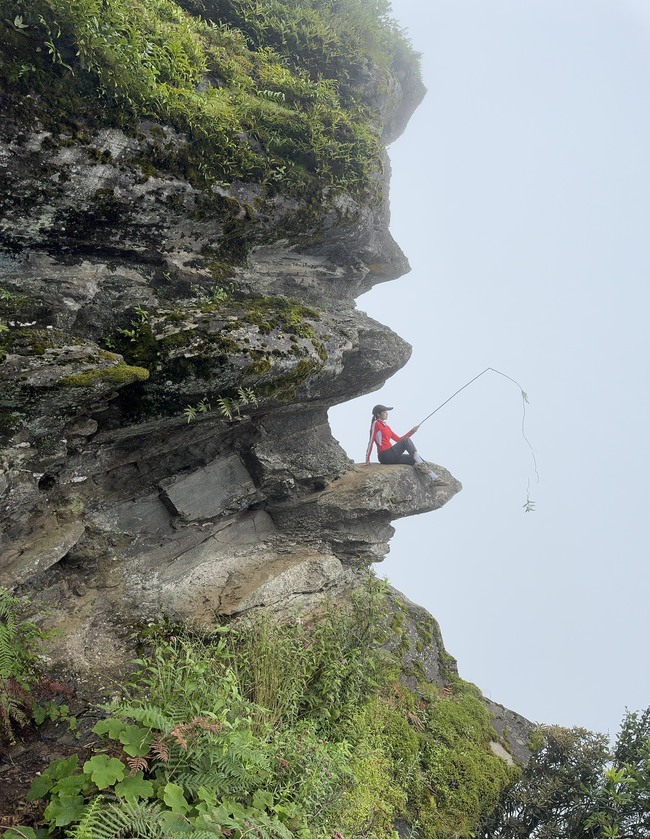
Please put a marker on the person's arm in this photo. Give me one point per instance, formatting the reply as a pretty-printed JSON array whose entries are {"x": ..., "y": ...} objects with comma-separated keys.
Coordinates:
[
  {"x": 371, "y": 441},
  {"x": 397, "y": 438}
]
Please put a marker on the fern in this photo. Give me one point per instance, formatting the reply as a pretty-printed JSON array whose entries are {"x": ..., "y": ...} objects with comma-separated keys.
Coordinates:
[
  {"x": 196, "y": 834},
  {"x": 150, "y": 715},
  {"x": 209, "y": 762},
  {"x": 246, "y": 396},
  {"x": 184, "y": 731},
  {"x": 137, "y": 764},
  {"x": 91, "y": 818},
  {"x": 231, "y": 763},
  {"x": 190, "y": 412},
  {"x": 9, "y": 650},
  {"x": 19, "y": 670},
  {"x": 160, "y": 749},
  {"x": 123, "y": 820},
  {"x": 227, "y": 407}
]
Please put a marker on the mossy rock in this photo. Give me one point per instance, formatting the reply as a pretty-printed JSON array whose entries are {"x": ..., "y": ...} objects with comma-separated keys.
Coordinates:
[{"x": 122, "y": 374}]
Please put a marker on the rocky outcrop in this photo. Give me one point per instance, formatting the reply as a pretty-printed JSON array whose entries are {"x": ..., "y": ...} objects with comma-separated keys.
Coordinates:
[
  {"x": 191, "y": 520},
  {"x": 169, "y": 347}
]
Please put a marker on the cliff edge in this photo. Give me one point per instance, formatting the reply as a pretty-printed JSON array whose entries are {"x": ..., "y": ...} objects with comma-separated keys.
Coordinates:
[
  {"x": 173, "y": 335},
  {"x": 192, "y": 196}
]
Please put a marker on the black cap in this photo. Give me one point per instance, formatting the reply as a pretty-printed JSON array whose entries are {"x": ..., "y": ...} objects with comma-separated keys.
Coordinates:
[{"x": 379, "y": 408}]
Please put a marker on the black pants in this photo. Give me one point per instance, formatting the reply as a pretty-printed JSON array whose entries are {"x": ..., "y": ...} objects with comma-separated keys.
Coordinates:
[{"x": 402, "y": 452}]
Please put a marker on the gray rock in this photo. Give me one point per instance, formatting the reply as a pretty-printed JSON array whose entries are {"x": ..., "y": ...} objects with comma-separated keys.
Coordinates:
[
  {"x": 352, "y": 514},
  {"x": 49, "y": 544},
  {"x": 133, "y": 299},
  {"x": 514, "y": 730},
  {"x": 220, "y": 488}
]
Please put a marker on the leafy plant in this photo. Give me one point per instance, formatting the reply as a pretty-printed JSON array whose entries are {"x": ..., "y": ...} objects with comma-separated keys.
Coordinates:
[
  {"x": 576, "y": 787},
  {"x": 296, "y": 728},
  {"x": 319, "y": 669},
  {"x": 182, "y": 758},
  {"x": 54, "y": 711},
  {"x": 6, "y": 297},
  {"x": 19, "y": 665},
  {"x": 192, "y": 411},
  {"x": 229, "y": 408},
  {"x": 137, "y": 324},
  {"x": 292, "y": 106}
]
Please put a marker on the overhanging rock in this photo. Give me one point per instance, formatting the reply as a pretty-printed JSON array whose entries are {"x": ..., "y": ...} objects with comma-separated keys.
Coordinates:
[{"x": 352, "y": 514}]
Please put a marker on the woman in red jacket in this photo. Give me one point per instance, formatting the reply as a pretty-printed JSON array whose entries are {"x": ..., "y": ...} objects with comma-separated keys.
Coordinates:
[{"x": 401, "y": 451}]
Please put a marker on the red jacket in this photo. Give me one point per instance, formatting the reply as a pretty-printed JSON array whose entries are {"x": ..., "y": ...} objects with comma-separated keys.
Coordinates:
[{"x": 381, "y": 434}]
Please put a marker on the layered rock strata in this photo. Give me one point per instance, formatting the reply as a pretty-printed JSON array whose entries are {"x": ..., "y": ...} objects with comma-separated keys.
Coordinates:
[{"x": 118, "y": 329}]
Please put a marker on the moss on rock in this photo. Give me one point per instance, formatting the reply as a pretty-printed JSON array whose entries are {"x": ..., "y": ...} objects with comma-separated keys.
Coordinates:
[
  {"x": 287, "y": 117},
  {"x": 121, "y": 374}
]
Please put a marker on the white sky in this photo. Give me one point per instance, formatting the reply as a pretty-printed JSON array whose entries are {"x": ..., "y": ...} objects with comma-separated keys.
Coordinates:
[{"x": 521, "y": 196}]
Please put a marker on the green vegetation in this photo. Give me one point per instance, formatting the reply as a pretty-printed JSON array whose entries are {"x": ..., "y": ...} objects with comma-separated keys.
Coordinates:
[
  {"x": 278, "y": 728},
  {"x": 121, "y": 374},
  {"x": 26, "y": 694},
  {"x": 228, "y": 408},
  {"x": 243, "y": 347},
  {"x": 9, "y": 421},
  {"x": 19, "y": 665},
  {"x": 8, "y": 302},
  {"x": 576, "y": 787},
  {"x": 32, "y": 341},
  {"x": 281, "y": 93},
  {"x": 301, "y": 728}
]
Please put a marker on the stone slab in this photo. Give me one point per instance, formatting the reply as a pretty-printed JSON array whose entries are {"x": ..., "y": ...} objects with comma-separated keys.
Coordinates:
[
  {"x": 135, "y": 517},
  {"x": 223, "y": 486},
  {"x": 40, "y": 554}
]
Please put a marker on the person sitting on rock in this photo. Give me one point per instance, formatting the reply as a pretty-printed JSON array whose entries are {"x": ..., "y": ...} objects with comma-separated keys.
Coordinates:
[{"x": 403, "y": 449}]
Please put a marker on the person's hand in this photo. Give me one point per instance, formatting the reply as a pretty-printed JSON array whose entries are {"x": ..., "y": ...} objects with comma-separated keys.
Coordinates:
[{"x": 414, "y": 429}]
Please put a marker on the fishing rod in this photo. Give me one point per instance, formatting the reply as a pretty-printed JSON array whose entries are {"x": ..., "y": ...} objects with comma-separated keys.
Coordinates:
[
  {"x": 487, "y": 370},
  {"x": 529, "y": 506}
]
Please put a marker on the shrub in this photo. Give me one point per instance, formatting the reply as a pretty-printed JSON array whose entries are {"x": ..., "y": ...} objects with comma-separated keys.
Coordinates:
[
  {"x": 279, "y": 728},
  {"x": 273, "y": 92}
]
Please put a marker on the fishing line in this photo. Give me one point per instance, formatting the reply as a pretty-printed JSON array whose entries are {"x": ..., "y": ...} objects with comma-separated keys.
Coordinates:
[{"x": 529, "y": 506}]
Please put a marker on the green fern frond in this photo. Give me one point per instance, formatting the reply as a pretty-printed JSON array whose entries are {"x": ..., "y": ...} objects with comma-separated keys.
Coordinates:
[
  {"x": 9, "y": 660},
  {"x": 230, "y": 762},
  {"x": 19, "y": 665},
  {"x": 196, "y": 834},
  {"x": 89, "y": 821},
  {"x": 7, "y": 603},
  {"x": 147, "y": 714},
  {"x": 123, "y": 820},
  {"x": 190, "y": 412},
  {"x": 192, "y": 781},
  {"x": 246, "y": 396},
  {"x": 227, "y": 407}
]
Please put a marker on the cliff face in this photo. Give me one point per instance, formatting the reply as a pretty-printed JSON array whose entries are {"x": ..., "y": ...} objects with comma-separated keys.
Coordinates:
[
  {"x": 189, "y": 206},
  {"x": 170, "y": 346},
  {"x": 115, "y": 507}
]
